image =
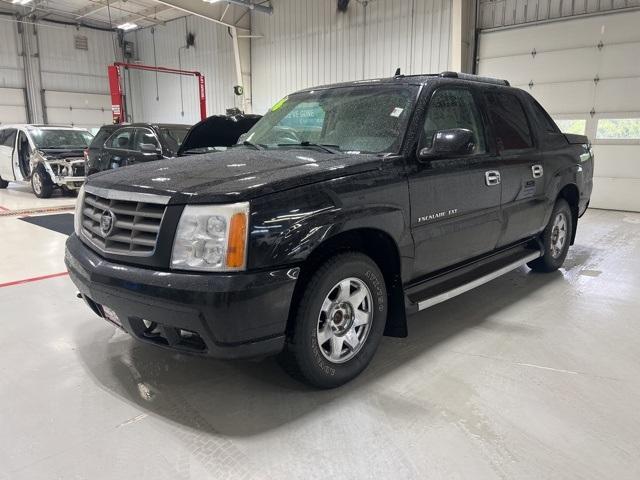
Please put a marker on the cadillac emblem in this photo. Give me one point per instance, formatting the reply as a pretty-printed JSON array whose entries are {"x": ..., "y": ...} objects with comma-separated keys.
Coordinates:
[{"x": 107, "y": 222}]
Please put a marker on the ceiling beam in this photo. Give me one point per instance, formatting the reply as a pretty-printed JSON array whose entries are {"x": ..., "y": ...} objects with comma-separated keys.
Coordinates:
[{"x": 146, "y": 14}]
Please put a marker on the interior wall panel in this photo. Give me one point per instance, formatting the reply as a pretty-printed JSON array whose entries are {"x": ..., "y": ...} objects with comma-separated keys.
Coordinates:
[
  {"x": 307, "y": 42},
  {"x": 12, "y": 106},
  {"x": 11, "y": 69}
]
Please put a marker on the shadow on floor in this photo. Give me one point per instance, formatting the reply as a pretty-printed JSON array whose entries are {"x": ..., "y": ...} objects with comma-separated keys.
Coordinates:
[{"x": 244, "y": 398}]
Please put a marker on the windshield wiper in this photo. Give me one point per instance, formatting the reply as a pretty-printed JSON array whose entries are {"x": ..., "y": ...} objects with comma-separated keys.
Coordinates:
[
  {"x": 247, "y": 143},
  {"x": 321, "y": 146}
]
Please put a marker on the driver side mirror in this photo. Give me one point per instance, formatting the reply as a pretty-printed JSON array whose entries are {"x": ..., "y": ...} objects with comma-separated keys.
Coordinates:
[
  {"x": 447, "y": 143},
  {"x": 150, "y": 148}
]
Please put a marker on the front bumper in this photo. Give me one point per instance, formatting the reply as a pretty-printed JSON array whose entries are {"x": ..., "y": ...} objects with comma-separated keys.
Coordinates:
[
  {"x": 72, "y": 183},
  {"x": 220, "y": 315}
]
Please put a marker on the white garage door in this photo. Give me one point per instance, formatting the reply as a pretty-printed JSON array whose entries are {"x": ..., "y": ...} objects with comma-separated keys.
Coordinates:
[
  {"x": 88, "y": 110},
  {"x": 12, "y": 108},
  {"x": 586, "y": 73}
]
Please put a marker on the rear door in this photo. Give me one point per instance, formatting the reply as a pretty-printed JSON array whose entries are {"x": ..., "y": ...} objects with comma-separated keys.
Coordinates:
[
  {"x": 455, "y": 210},
  {"x": 522, "y": 172},
  {"x": 7, "y": 145}
]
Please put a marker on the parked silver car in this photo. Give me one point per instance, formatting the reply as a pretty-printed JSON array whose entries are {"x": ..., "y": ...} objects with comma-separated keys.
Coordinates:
[{"x": 46, "y": 156}]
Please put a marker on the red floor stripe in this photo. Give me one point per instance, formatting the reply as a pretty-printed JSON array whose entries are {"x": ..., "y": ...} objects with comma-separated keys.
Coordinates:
[
  {"x": 4, "y": 209},
  {"x": 33, "y": 279}
]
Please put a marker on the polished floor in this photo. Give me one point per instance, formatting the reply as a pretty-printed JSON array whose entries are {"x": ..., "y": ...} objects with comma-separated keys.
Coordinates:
[{"x": 531, "y": 376}]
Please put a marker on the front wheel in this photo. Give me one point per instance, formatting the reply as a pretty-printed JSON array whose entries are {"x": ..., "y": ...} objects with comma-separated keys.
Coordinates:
[
  {"x": 556, "y": 238},
  {"x": 41, "y": 183},
  {"x": 339, "y": 322}
]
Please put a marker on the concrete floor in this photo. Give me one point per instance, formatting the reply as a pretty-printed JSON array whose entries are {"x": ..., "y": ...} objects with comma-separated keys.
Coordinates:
[{"x": 530, "y": 376}]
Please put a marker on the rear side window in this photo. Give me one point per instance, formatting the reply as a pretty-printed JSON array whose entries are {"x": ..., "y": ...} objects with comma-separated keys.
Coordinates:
[
  {"x": 543, "y": 118},
  {"x": 509, "y": 121},
  {"x": 8, "y": 137}
]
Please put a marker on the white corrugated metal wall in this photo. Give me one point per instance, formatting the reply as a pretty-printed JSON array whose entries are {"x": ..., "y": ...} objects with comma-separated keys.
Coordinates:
[
  {"x": 212, "y": 56},
  {"x": 75, "y": 84},
  {"x": 307, "y": 42},
  {"x": 586, "y": 73},
  {"x": 12, "y": 106},
  {"x": 498, "y": 13}
]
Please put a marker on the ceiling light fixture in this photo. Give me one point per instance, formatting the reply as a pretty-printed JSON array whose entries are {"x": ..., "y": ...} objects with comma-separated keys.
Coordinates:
[
  {"x": 205, "y": 1},
  {"x": 126, "y": 26},
  {"x": 21, "y": 2}
]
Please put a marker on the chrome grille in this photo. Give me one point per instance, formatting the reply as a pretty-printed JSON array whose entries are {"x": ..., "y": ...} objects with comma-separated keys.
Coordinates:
[{"x": 135, "y": 221}]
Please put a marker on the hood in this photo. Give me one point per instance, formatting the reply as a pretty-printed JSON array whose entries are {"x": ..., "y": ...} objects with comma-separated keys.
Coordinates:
[
  {"x": 58, "y": 154},
  {"x": 217, "y": 131},
  {"x": 234, "y": 175}
]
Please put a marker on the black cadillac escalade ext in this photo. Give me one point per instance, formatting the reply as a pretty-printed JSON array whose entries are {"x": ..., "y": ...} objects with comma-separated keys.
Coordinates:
[{"x": 345, "y": 208}]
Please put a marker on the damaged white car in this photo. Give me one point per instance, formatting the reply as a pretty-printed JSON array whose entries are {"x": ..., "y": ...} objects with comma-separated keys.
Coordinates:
[{"x": 47, "y": 156}]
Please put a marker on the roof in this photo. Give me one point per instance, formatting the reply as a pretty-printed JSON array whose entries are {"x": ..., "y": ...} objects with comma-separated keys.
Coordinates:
[{"x": 417, "y": 79}]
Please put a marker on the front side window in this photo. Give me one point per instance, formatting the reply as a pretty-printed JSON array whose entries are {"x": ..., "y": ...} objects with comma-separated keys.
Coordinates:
[
  {"x": 360, "y": 119},
  {"x": 144, "y": 136},
  {"x": 509, "y": 121},
  {"x": 453, "y": 108},
  {"x": 52, "y": 139},
  {"x": 173, "y": 137},
  {"x": 121, "y": 139}
]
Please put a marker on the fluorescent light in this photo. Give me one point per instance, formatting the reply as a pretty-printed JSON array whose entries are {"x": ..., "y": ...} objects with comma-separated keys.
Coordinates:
[
  {"x": 126, "y": 26},
  {"x": 21, "y": 2},
  {"x": 206, "y": 1}
]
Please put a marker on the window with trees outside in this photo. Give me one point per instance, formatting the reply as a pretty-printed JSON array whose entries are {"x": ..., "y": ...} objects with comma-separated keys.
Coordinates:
[{"x": 618, "y": 129}]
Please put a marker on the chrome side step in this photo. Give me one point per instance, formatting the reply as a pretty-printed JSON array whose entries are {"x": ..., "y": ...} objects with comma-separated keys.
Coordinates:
[{"x": 454, "y": 292}]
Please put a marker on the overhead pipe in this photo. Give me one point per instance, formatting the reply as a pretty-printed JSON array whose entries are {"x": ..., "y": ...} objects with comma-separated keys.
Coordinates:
[{"x": 252, "y": 6}]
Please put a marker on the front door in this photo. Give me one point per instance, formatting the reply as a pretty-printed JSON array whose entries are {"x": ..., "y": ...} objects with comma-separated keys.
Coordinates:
[
  {"x": 118, "y": 149},
  {"x": 523, "y": 200},
  {"x": 455, "y": 200}
]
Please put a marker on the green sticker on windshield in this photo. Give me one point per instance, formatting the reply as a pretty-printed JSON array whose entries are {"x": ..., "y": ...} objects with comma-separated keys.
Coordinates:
[{"x": 279, "y": 104}]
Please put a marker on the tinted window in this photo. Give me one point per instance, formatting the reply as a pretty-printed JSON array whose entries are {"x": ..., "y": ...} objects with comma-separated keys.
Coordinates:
[
  {"x": 8, "y": 137},
  {"x": 144, "y": 136},
  {"x": 453, "y": 108},
  {"x": 509, "y": 121},
  {"x": 122, "y": 139},
  {"x": 101, "y": 136},
  {"x": 173, "y": 136},
  {"x": 543, "y": 118}
]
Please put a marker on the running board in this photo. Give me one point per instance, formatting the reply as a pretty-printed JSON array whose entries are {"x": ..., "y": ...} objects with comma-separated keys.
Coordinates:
[{"x": 439, "y": 295}]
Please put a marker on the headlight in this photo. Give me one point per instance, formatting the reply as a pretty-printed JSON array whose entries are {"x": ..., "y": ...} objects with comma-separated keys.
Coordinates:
[
  {"x": 211, "y": 237},
  {"x": 77, "y": 217}
]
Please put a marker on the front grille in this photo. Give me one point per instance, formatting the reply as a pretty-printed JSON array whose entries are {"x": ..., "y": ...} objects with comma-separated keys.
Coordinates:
[{"x": 133, "y": 227}]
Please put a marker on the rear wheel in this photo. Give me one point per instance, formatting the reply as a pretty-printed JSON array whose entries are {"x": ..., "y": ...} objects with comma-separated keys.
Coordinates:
[
  {"x": 556, "y": 238},
  {"x": 41, "y": 183},
  {"x": 338, "y": 323}
]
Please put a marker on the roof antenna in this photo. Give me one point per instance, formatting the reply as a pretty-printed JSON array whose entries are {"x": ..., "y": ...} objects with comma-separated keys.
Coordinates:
[{"x": 397, "y": 72}]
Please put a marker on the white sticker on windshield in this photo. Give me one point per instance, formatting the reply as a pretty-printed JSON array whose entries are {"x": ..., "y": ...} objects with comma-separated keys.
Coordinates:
[{"x": 397, "y": 112}]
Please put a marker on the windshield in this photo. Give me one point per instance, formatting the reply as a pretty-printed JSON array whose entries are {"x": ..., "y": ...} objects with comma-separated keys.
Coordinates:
[
  {"x": 359, "y": 119},
  {"x": 173, "y": 136},
  {"x": 62, "y": 139}
]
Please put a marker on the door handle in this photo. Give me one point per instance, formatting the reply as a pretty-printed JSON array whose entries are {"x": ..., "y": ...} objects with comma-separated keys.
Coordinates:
[
  {"x": 537, "y": 171},
  {"x": 492, "y": 177}
]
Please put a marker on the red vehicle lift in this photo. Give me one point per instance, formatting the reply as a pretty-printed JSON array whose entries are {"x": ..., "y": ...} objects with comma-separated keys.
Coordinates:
[{"x": 117, "y": 97}]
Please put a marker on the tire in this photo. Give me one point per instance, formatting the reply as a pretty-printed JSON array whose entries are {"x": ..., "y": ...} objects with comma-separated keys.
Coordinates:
[
  {"x": 67, "y": 192},
  {"x": 326, "y": 347},
  {"x": 556, "y": 238},
  {"x": 41, "y": 183},
  {"x": 3, "y": 184}
]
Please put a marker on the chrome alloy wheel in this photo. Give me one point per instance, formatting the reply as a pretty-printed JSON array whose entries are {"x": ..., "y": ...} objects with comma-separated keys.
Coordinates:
[
  {"x": 345, "y": 320},
  {"x": 558, "y": 234},
  {"x": 37, "y": 182}
]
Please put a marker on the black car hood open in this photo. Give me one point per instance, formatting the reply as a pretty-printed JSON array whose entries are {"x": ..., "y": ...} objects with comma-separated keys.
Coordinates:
[{"x": 235, "y": 175}]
